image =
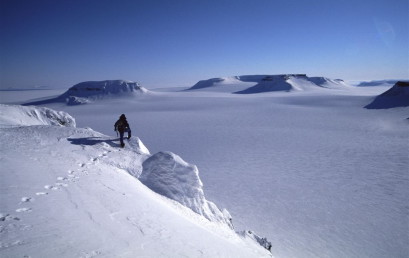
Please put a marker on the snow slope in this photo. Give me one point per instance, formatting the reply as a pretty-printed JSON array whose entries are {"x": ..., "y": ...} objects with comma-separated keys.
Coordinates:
[
  {"x": 11, "y": 116},
  {"x": 86, "y": 92},
  {"x": 250, "y": 84},
  {"x": 71, "y": 192},
  {"x": 397, "y": 96}
]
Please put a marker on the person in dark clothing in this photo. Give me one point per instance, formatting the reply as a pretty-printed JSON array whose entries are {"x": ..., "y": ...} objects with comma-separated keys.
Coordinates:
[{"x": 122, "y": 126}]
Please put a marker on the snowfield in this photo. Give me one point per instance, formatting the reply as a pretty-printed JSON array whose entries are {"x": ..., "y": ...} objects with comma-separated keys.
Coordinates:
[
  {"x": 71, "y": 192},
  {"x": 301, "y": 161}
]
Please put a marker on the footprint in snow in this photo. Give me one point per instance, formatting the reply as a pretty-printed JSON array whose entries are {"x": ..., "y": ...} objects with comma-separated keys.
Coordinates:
[
  {"x": 61, "y": 178},
  {"x": 72, "y": 178},
  {"x": 103, "y": 155},
  {"x": 81, "y": 165},
  {"x": 41, "y": 193},
  {"x": 51, "y": 187},
  {"x": 26, "y": 199},
  {"x": 5, "y": 217},
  {"x": 70, "y": 172},
  {"x": 62, "y": 184},
  {"x": 24, "y": 210},
  {"x": 90, "y": 254}
]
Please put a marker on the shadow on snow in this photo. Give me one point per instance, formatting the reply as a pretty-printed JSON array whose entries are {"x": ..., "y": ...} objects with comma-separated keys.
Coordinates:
[{"x": 94, "y": 140}]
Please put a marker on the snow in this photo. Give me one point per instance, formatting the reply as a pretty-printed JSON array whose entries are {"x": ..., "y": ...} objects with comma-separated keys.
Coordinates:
[
  {"x": 103, "y": 88},
  {"x": 225, "y": 84},
  {"x": 14, "y": 115},
  {"x": 168, "y": 174},
  {"x": 90, "y": 91},
  {"x": 388, "y": 83},
  {"x": 250, "y": 84},
  {"x": 397, "y": 96},
  {"x": 77, "y": 195},
  {"x": 311, "y": 170}
]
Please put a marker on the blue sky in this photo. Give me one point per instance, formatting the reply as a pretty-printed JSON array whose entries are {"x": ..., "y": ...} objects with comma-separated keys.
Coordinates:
[{"x": 178, "y": 42}]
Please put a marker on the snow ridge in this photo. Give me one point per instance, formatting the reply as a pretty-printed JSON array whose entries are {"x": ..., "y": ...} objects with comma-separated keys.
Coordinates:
[
  {"x": 397, "y": 96},
  {"x": 168, "y": 174},
  {"x": 96, "y": 192},
  {"x": 15, "y": 115}
]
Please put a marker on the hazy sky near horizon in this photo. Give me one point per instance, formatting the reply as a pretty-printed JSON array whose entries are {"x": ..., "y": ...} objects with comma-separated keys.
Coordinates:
[{"x": 178, "y": 42}]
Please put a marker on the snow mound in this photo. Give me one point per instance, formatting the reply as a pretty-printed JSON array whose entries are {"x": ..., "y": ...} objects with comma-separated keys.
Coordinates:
[
  {"x": 397, "y": 96},
  {"x": 86, "y": 92},
  {"x": 137, "y": 145},
  {"x": 15, "y": 115},
  {"x": 168, "y": 174}
]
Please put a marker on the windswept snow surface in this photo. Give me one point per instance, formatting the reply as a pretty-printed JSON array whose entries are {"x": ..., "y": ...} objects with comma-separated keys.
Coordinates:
[
  {"x": 71, "y": 192},
  {"x": 314, "y": 171}
]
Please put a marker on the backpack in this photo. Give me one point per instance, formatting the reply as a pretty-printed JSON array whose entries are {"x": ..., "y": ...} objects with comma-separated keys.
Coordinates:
[{"x": 121, "y": 125}]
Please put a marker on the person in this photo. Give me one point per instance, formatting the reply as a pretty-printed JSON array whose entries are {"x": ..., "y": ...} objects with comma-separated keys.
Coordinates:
[{"x": 122, "y": 126}]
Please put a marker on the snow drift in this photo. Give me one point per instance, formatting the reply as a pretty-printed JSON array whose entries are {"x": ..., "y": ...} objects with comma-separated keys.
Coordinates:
[
  {"x": 78, "y": 192},
  {"x": 397, "y": 96},
  {"x": 14, "y": 115},
  {"x": 86, "y": 92},
  {"x": 168, "y": 174},
  {"x": 250, "y": 84}
]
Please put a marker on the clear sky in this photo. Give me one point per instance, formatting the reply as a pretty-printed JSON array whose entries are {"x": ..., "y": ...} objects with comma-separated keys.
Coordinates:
[{"x": 59, "y": 43}]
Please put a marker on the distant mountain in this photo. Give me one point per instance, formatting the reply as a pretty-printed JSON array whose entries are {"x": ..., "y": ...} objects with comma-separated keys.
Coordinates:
[
  {"x": 397, "y": 96},
  {"x": 250, "y": 84},
  {"x": 377, "y": 83},
  {"x": 85, "y": 92}
]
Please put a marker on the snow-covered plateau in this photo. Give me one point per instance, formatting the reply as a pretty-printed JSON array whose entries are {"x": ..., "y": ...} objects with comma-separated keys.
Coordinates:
[
  {"x": 87, "y": 92},
  {"x": 310, "y": 163}
]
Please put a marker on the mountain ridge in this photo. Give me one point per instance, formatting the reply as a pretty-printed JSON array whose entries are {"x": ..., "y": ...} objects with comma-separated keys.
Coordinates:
[{"x": 251, "y": 84}]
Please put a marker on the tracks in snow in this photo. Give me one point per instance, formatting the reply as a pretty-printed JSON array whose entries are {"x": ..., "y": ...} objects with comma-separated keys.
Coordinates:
[{"x": 10, "y": 222}]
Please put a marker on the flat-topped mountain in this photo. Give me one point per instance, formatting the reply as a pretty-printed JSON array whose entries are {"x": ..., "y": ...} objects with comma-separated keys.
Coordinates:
[
  {"x": 85, "y": 92},
  {"x": 249, "y": 84}
]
